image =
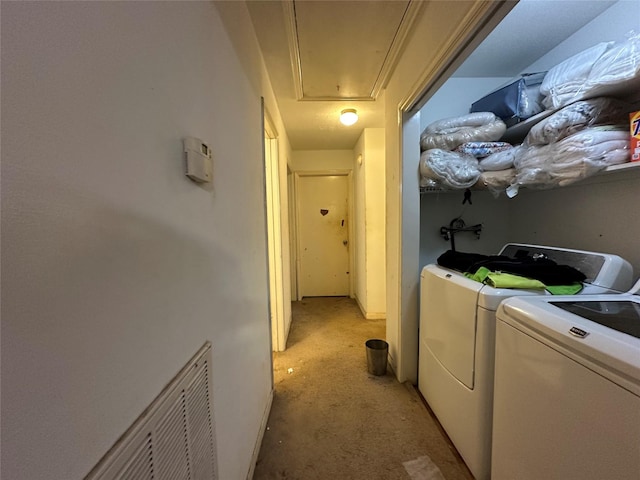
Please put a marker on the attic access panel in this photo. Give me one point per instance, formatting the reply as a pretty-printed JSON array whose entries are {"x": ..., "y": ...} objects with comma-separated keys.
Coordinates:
[{"x": 343, "y": 49}]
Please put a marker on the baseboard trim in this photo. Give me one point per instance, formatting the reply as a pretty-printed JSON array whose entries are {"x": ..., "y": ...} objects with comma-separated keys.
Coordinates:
[
  {"x": 286, "y": 335},
  {"x": 392, "y": 365},
  {"x": 369, "y": 315},
  {"x": 261, "y": 432}
]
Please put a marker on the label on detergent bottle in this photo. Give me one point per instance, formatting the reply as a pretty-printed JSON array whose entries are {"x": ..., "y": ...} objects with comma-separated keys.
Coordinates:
[{"x": 634, "y": 120}]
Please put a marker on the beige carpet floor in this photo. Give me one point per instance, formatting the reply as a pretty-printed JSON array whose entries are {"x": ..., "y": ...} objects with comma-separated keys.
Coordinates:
[{"x": 331, "y": 419}]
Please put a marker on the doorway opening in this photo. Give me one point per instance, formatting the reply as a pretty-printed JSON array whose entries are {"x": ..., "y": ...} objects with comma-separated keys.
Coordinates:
[
  {"x": 279, "y": 311},
  {"x": 323, "y": 253}
]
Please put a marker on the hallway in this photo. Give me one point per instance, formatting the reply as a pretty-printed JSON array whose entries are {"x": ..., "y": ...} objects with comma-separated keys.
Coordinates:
[{"x": 331, "y": 419}]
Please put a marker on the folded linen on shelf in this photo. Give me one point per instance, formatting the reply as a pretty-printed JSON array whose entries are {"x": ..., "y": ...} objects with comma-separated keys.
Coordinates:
[
  {"x": 499, "y": 160},
  {"x": 572, "y": 72},
  {"x": 577, "y": 116},
  {"x": 448, "y": 133},
  {"x": 449, "y": 169},
  {"x": 571, "y": 159},
  {"x": 608, "y": 68}
]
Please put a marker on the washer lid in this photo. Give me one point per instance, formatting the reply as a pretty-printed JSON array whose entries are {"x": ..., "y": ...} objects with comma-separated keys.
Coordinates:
[
  {"x": 623, "y": 316},
  {"x": 601, "y": 269},
  {"x": 609, "y": 352}
]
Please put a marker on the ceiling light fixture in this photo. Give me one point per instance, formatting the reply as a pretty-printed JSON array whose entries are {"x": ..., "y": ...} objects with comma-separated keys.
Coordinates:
[{"x": 348, "y": 116}]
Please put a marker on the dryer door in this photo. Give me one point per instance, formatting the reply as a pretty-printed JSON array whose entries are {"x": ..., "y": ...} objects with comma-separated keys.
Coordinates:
[{"x": 448, "y": 320}]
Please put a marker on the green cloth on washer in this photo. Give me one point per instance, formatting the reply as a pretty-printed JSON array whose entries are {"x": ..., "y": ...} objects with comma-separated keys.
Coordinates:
[
  {"x": 564, "y": 289},
  {"x": 480, "y": 275},
  {"x": 508, "y": 280}
]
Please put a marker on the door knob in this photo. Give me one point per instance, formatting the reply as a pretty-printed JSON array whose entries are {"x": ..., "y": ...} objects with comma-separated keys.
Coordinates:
[{"x": 344, "y": 242}]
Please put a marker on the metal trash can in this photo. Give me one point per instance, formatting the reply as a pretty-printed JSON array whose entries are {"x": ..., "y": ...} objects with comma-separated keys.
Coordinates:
[{"x": 377, "y": 351}]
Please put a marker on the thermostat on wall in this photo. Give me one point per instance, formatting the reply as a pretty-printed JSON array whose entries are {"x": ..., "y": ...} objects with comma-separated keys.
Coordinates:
[{"x": 198, "y": 160}]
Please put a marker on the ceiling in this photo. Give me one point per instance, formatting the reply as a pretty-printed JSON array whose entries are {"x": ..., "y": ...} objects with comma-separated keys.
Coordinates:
[
  {"x": 335, "y": 54},
  {"x": 325, "y": 56}
]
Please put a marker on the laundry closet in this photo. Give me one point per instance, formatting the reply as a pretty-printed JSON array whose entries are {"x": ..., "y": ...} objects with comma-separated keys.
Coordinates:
[{"x": 598, "y": 214}]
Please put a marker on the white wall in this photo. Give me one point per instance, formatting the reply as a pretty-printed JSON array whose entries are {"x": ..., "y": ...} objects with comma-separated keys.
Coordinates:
[
  {"x": 116, "y": 268},
  {"x": 374, "y": 165},
  {"x": 285, "y": 247},
  {"x": 598, "y": 216},
  {"x": 360, "y": 225},
  {"x": 319, "y": 160},
  {"x": 439, "y": 209},
  {"x": 293, "y": 254},
  {"x": 442, "y": 30},
  {"x": 239, "y": 27},
  {"x": 369, "y": 206},
  {"x": 455, "y": 97},
  {"x": 614, "y": 24}
]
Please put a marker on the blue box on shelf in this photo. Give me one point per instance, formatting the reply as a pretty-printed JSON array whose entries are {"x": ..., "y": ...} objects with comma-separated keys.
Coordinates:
[{"x": 514, "y": 102}]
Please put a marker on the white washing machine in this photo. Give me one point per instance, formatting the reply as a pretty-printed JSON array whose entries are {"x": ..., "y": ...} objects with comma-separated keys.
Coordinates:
[
  {"x": 567, "y": 388},
  {"x": 457, "y": 339}
]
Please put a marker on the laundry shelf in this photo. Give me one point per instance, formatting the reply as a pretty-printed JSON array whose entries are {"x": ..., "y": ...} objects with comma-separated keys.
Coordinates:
[
  {"x": 615, "y": 173},
  {"x": 624, "y": 167},
  {"x": 623, "y": 171},
  {"x": 516, "y": 134}
]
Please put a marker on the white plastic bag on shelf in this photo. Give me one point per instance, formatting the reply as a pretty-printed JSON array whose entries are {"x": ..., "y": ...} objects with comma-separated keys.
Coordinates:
[
  {"x": 578, "y": 116},
  {"x": 608, "y": 68},
  {"x": 573, "y": 158},
  {"x": 496, "y": 182},
  {"x": 448, "y": 169},
  {"x": 448, "y": 133},
  {"x": 499, "y": 161}
]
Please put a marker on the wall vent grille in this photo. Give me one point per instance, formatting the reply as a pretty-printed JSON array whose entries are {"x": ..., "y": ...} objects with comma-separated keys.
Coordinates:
[
  {"x": 174, "y": 438},
  {"x": 141, "y": 466}
]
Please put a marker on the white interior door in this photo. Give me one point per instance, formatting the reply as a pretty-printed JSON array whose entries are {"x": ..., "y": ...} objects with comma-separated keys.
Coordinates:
[
  {"x": 323, "y": 235},
  {"x": 274, "y": 241}
]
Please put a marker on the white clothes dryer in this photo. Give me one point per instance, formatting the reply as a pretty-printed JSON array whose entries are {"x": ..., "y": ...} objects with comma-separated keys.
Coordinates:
[
  {"x": 567, "y": 388},
  {"x": 457, "y": 341}
]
